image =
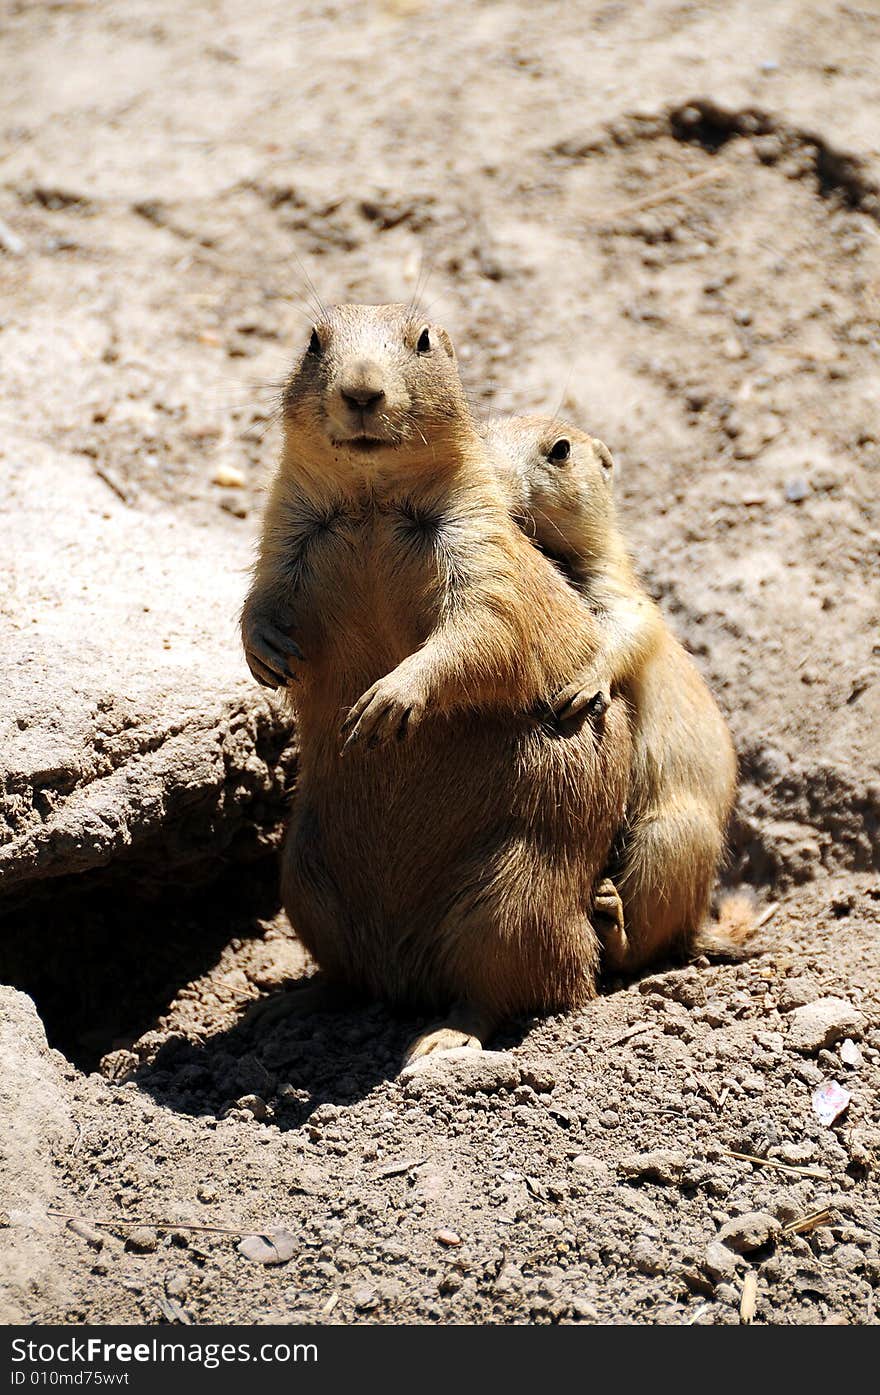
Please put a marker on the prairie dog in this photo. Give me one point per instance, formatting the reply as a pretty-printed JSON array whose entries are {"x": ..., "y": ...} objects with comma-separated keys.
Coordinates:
[
  {"x": 683, "y": 775},
  {"x": 446, "y": 856}
]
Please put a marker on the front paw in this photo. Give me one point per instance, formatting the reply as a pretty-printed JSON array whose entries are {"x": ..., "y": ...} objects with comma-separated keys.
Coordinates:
[
  {"x": 269, "y": 652},
  {"x": 390, "y": 710},
  {"x": 584, "y": 697}
]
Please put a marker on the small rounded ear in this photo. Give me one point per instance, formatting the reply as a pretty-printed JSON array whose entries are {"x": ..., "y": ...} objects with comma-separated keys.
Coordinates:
[
  {"x": 445, "y": 340},
  {"x": 606, "y": 459}
]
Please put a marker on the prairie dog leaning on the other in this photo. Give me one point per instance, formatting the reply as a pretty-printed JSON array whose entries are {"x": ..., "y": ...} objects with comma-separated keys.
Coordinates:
[{"x": 683, "y": 777}]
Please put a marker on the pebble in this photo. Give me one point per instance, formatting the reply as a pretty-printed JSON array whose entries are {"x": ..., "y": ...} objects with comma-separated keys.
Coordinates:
[
  {"x": 796, "y": 491},
  {"x": 748, "y": 1232},
  {"x": 796, "y": 992},
  {"x": 647, "y": 1257},
  {"x": 663, "y": 1165},
  {"x": 808, "y": 1072},
  {"x": 822, "y": 1023},
  {"x": 715, "y": 1014},
  {"x": 450, "y": 1238},
  {"x": 228, "y": 477},
  {"x": 795, "y": 1154},
  {"x": 252, "y": 1104},
  {"x": 680, "y": 986},
  {"x": 539, "y": 1078},
  {"x": 584, "y": 1310},
  {"x": 207, "y": 1193},
  {"x": 719, "y": 1262},
  {"x": 471, "y": 1071},
  {"x": 364, "y": 1299},
  {"x": 591, "y": 1167},
  {"x": 142, "y": 1241},
  {"x": 850, "y": 1054},
  {"x": 10, "y": 242},
  {"x": 274, "y": 1245}
]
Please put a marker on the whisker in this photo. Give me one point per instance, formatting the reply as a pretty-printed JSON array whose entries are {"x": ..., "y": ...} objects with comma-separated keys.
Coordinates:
[
  {"x": 316, "y": 301},
  {"x": 555, "y": 417}
]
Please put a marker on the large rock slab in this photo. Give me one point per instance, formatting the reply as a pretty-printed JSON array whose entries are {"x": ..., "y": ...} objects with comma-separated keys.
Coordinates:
[
  {"x": 130, "y": 725},
  {"x": 35, "y": 1126}
]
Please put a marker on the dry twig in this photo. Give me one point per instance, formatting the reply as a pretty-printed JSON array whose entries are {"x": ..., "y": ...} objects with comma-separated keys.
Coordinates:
[
  {"x": 778, "y": 1166},
  {"x": 670, "y": 191}
]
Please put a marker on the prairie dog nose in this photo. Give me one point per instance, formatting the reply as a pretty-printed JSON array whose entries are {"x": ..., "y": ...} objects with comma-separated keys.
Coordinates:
[
  {"x": 358, "y": 398},
  {"x": 363, "y": 387}
]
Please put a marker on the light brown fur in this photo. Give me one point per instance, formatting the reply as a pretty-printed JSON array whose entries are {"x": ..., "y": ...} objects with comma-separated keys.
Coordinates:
[
  {"x": 683, "y": 774},
  {"x": 447, "y": 857}
]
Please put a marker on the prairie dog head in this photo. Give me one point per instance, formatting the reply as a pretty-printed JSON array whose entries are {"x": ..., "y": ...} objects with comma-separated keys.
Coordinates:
[
  {"x": 558, "y": 482},
  {"x": 374, "y": 380}
]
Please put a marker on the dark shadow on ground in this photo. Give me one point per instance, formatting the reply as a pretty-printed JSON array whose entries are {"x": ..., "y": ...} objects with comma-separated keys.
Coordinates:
[
  {"x": 104, "y": 962},
  {"x": 102, "y": 959}
]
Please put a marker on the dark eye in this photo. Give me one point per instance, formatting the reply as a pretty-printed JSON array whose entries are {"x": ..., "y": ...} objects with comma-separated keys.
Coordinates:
[
  {"x": 315, "y": 346},
  {"x": 560, "y": 450},
  {"x": 424, "y": 343}
]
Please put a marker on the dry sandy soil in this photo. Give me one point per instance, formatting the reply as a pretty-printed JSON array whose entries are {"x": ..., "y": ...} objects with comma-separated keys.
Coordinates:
[{"x": 660, "y": 218}]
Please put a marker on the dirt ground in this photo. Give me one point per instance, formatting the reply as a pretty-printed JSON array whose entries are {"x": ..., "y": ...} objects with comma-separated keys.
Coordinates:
[{"x": 661, "y": 219}]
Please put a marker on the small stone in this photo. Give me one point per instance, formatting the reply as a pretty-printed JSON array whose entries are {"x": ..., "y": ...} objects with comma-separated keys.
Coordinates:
[
  {"x": 591, "y": 1167},
  {"x": 207, "y": 1193},
  {"x": 850, "y": 1054},
  {"x": 664, "y": 1165},
  {"x": 540, "y": 1078},
  {"x": 795, "y": 1154},
  {"x": 719, "y": 1262},
  {"x": 365, "y": 1299},
  {"x": 274, "y": 1245},
  {"x": 252, "y": 1104},
  {"x": 584, "y": 1310},
  {"x": 796, "y": 491},
  {"x": 465, "y": 1071},
  {"x": 450, "y": 1238},
  {"x": 142, "y": 1241},
  {"x": 796, "y": 992},
  {"x": 822, "y": 1023},
  {"x": 647, "y": 1257},
  {"x": 864, "y": 1149},
  {"x": 228, "y": 477},
  {"x": 10, "y": 242},
  {"x": 808, "y": 1072},
  {"x": 679, "y": 986},
  {"x": 715, "y": 1014},
  {"x": 749, "y": 1232},
  {"x": 728, "y": 1293}
]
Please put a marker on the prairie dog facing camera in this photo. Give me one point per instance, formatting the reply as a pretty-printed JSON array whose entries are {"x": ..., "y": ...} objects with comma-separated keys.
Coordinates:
[{"x": 443, "y": 845}]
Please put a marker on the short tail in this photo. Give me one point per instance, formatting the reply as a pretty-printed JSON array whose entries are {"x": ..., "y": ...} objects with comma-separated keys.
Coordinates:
[{"x": 728, "y": 936}]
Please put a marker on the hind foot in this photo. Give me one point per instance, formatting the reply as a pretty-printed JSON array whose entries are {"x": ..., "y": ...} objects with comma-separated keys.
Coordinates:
[
  {"x": 440, "y": 1039},
  {"x": 465, "y": 1027},
  {"x": 609, "y": 924},
  {"x": 299, "y": 1000},
  {"x": 607, "y": 908}
]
